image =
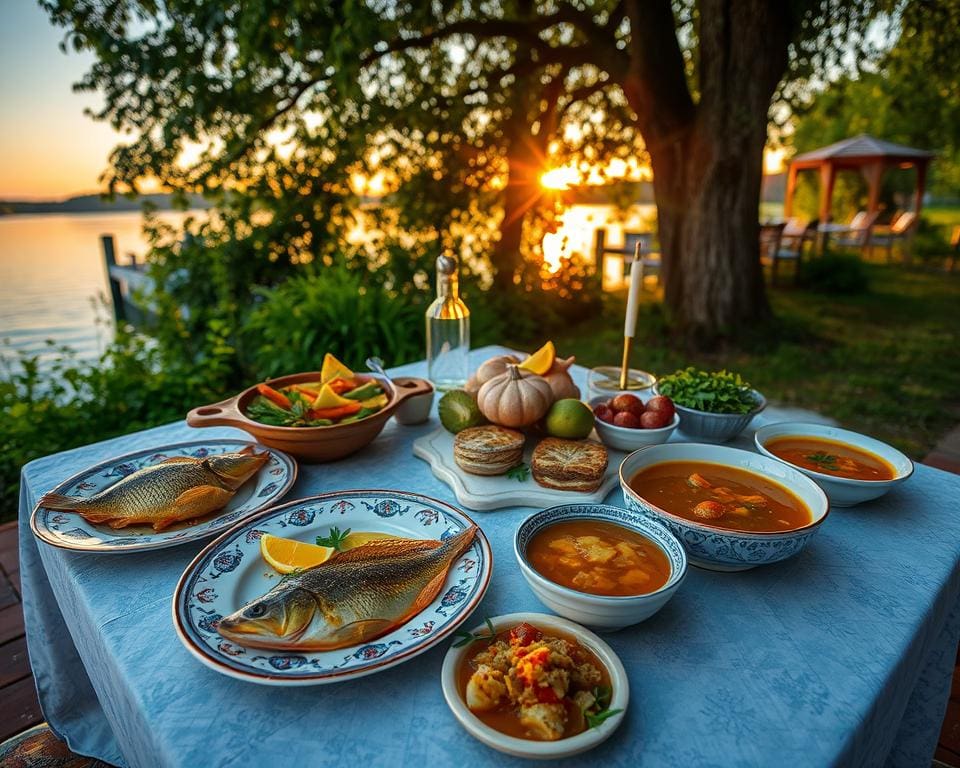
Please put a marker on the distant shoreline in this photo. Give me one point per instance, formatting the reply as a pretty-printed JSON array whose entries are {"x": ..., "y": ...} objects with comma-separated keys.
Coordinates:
[{"x": 95, "y": 204}]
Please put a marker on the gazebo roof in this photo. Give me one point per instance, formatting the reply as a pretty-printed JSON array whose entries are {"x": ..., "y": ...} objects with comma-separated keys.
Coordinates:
[{"x": 860, "y": 148}]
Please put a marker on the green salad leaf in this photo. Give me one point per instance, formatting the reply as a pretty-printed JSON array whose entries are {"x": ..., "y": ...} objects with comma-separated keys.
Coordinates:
[{"x": 713, "y": 392}]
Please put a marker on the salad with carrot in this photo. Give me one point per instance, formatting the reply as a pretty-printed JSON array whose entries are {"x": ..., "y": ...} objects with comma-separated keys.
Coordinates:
[{"x": 339, "y": 397}]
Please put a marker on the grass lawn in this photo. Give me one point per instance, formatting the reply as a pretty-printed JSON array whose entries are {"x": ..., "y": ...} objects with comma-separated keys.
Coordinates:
[{"x": 886, "y": 362}]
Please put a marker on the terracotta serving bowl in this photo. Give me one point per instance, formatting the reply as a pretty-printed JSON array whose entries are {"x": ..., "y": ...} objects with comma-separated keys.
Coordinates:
[{"x": 309, "y": 444}]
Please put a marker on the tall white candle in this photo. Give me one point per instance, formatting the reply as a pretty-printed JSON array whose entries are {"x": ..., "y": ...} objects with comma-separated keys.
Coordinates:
[{"x": 633, "y": 297}]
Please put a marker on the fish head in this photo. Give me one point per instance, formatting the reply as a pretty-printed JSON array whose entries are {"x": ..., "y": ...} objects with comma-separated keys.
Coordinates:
[
  {"x": 277, "y": 619},
  {"x": 234, "y": 469}
]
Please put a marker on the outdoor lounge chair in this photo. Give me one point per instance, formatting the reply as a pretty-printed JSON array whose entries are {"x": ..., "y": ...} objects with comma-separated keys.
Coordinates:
[
  {"x": 787, "y": 247},
  {"x": 857, "y": 233},
  {"x": 901, "y": 229}
]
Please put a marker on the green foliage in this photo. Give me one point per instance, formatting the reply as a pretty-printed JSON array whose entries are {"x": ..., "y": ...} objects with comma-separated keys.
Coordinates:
[
  {"x": 909, "y": 97},
  {"x": 835, "y": 273},
  {"x": 338, "y": 311},
  {"x": 713, "y": 392}
]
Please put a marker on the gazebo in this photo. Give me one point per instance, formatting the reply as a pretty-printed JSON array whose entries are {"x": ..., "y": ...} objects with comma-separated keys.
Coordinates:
[{"x": 871, "y": 156}]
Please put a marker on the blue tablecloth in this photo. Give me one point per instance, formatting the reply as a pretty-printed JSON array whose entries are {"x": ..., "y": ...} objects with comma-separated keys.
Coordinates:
[{"x": 842, "y": 655}]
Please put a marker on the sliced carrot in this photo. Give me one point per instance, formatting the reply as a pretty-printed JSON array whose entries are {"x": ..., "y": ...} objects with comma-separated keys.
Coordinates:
[
  {"x": 306, "y": 391},
  {"x": 340, "y": 385},
  {"x": 337, "y": 412},
  {"x": 274, "y": 396}
]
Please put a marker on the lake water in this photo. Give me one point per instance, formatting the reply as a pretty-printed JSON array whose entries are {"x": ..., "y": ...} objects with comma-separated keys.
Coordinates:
[{"x": 53, "y": 282}]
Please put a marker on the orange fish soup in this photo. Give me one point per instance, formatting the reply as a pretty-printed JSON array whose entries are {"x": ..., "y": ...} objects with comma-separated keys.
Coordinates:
[
  {"x": 722, "y": 496},
  {"x": 533, "y": 684},
  {"x": 599, "y": 558},
  {"x": 831, "y": 458}
]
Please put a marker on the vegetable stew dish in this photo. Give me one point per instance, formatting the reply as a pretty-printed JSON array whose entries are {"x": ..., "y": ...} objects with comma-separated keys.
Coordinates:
[
  {"x": 721, "y": 496},
  {"x": 315, "y": 404},
  {"x": 599, "y": 558},
  {"x": 831, "y": 458},
  {"x": 535, "y": 685}
]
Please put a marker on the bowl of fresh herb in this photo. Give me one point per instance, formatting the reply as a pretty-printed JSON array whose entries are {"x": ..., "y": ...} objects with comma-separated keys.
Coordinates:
[{"x": 713, "y": 405}]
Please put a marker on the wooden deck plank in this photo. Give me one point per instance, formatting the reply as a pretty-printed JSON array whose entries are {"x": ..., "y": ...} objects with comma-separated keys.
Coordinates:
[
  {"x": 11, "y": 623},
  {"x": 14, "y": 662},
  {"x": 20, "y": 708}
]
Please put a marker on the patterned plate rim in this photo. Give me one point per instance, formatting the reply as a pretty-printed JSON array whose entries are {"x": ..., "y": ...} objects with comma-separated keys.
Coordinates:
[
  {"x": 44, "y": 535},
  {"x": 202, "y": 653}
]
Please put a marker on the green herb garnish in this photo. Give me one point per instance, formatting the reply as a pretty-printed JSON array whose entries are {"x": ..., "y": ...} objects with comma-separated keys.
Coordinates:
[
  {"x": 333, "y": 538},
  {"x": 713, "y": 392},
  {"x": 466, "y": 638},
  {"x": 600, "y": 710},
  {"x": 520, "y": 472},
  {"x": 824, "y": 461},
  {"x": 594, "y": 720}
]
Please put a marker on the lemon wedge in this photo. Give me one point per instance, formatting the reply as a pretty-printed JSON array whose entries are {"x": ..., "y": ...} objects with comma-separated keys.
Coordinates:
[
  {"x": 289, "y": 555},
  {"x": 330, "y": 399},
  {"x": 541, "y": 361},
  {"x": 333, "y": 368}
]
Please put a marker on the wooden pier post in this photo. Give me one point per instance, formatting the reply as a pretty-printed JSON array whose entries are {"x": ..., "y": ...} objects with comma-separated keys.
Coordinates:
[{"x": 116, "y": 294}]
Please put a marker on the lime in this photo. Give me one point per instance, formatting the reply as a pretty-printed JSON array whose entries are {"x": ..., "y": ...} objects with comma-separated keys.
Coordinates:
[
  {"x": 458, "y": 410},
  {"x": 569, "y": 418}
]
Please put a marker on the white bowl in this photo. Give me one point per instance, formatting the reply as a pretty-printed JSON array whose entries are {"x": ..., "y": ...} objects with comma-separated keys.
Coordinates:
[
  {"x": 541, "y": 750},
  {"x": 626, "y": 439},
  {"x": 842, "y": 491},
  {"x": 722, "y": 549},
  {"x": 602, "y": 611},
  {"x": 715, "y": 427}
]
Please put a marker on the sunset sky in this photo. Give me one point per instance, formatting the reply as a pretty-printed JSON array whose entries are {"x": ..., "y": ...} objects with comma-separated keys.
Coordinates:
[{"x": 48, "y": 147}]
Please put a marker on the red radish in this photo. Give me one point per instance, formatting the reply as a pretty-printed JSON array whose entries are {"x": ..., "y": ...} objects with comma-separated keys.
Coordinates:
[
  {"x": 655, "y": 419},
  {"x": 627, "y": 404},
  {"x": 662, "y": 404},
  {"x": 604, "y": 413},
  {"x": 627, "y": 419}
]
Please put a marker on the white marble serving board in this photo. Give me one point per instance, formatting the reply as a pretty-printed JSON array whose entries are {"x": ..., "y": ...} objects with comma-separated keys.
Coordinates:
[{"x": 481, "y": 493}]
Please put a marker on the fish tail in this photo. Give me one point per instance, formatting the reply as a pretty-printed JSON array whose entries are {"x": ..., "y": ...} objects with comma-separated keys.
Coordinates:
[
  {"x": 455, "y": 546},
  {"x": 60, "y": 502}
]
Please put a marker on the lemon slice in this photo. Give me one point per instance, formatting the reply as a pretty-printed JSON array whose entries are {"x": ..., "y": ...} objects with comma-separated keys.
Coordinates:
[
  {"x": 333, "y": 368},
  {"x": 359, "y": 538},
  {"x": 330, "y": 399},
  {"x": 541, "y": 361},
  {"x": 289, "y": 555}
]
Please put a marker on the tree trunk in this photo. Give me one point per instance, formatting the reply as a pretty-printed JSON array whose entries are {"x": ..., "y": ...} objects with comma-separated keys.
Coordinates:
[
  {"x": 707, "y": 191},
  {"x": 707, "y": 158}
]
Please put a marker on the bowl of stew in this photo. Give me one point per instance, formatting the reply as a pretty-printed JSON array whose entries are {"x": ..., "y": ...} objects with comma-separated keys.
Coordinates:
[
  {"x": 599, "y": 565},
  {"x": 850, "y": 467},
  {"x": 731, "y": 509},
  {"x": 540, "y": 714}
]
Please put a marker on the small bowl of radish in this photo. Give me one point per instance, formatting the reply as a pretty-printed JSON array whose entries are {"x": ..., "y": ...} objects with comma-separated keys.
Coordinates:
[{"x": 626, "y": 423}]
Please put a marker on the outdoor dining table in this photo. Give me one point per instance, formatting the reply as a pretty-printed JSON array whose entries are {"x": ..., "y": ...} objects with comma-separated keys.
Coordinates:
[{"x": 842, "y": 655}]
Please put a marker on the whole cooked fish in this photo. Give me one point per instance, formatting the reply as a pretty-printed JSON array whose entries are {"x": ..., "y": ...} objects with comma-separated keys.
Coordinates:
[
  {"x": 177, "y": 489},
  {"x": 353, "y": 597}
]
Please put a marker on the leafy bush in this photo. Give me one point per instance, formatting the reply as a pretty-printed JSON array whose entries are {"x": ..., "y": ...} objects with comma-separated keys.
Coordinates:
[
  {"x": 835, "y": 273},
  {"x": 335, "y": 310}
]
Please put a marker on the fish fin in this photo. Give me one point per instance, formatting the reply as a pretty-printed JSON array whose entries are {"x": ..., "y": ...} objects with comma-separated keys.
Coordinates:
[
  {"x": 178, "y": 460},
  {"x": 200, "y": 500},
  {"x": 362, "y": 631},
  {"x": 428, "y": 593},
  {"x": 457, "y": 545},
  {"x": 119, "y": 522},
  {"x": 59, "y": 501},
  {"x": 96, "y": 517},
  {"x": 381, "y": 548}
]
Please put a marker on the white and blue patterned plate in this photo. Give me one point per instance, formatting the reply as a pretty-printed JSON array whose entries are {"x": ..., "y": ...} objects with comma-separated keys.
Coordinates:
[
  {"x": 229, "y": 572},
  {"x": 70, "y": 531}
]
